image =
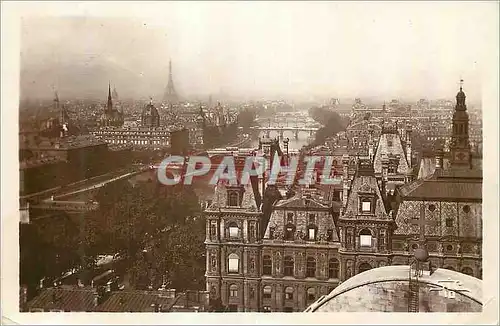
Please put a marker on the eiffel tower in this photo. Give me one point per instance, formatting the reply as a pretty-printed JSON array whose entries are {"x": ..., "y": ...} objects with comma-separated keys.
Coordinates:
[{"x": 170, "y": 96}]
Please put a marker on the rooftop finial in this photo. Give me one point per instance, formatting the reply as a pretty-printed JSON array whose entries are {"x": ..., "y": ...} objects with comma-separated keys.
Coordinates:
[{"x": 461, "y": 83}]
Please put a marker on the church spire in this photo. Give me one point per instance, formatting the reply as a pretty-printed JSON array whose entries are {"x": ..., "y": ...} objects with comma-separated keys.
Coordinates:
[{"x": 110, "y": 101}]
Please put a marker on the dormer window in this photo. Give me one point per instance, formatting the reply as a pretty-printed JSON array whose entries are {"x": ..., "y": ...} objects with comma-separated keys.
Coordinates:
[
  {"x": 366, "y": 205},
  {"x": 289, "y": 232},
  {"x": 311, "y": 233},
  {"x": 232, "y": 199},
  {"x": 329, "y": 235},
  {"x": 271, "y": 232},
  {"x": 312, "y": 218}
]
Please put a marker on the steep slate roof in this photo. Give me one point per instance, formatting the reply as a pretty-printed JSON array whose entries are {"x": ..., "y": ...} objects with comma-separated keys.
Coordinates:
[
  {"x": 443, "y": 190},
  {"x": 365, "y": 183},
  {"x": 427, "y": 168},
  {"x": 66, "y": 299},
  {"x": 298, "y": 204},
  {"x": 396, "y": 149},
  {"x": 136, "y": 301},
  {"x": 219, "y": 200}
]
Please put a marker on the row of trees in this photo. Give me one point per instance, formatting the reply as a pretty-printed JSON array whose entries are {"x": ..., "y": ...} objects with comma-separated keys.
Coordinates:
[
  {"x": 154, "y": 227},
  {"x": 331, "y": 121}
]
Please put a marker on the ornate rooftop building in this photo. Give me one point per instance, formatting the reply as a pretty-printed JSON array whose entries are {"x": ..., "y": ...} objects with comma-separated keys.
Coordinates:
[
  {"x": 444, "y": 211},
  {"x": 392, "y": 159}
]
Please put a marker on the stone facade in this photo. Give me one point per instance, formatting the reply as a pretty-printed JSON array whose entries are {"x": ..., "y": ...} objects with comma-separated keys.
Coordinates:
[{"x": 295, "y": 262}]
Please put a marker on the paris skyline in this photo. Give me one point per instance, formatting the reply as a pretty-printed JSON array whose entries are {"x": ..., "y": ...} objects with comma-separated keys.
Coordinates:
[{"x": 256, "y": 50}]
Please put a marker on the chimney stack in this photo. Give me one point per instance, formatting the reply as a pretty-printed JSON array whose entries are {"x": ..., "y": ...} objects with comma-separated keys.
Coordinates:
[
  {"x": 345, "y": 179},
  {"x": 385, "y": 168},
  {"x": 370, "y": 145},
  {"x": 408, "y": 145}
]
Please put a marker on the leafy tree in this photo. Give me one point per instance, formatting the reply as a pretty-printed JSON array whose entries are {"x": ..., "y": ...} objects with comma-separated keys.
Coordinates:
[{"x": 331, "y": 121}]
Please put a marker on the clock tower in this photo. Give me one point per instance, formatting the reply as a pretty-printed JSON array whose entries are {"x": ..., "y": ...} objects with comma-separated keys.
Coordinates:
[{"x": 460, "y": 147}]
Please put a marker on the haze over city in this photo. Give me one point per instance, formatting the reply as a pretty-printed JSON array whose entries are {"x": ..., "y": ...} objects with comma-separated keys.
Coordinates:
[{"x": 259, "y": 50}]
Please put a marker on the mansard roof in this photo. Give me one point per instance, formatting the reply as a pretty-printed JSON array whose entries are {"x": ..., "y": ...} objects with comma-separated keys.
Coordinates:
[
  {"x": 443, "y": 190},
  {"x": 300, "y": 202},
  {"x": 249, "y": 202},
  {"x": 302, "y": 207},
  {"x": 365, "y": 184},
  {"x": 391, "y": 144}
]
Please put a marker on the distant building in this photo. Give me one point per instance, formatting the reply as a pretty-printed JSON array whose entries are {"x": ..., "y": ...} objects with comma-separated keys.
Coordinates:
[
  {"x": 139, "y": 138},
  {"x": 443, "y": 212},
  {"x": 150, "y": 117},
  {"x": 88, "y": 299},
  {"x": 51, "y": 162},
  {"x": 111, "y": 117},
  {"x": 149, "y": 136}
]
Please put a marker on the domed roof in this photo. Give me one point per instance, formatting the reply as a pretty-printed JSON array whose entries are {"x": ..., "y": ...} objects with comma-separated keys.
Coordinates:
[
  {"x": 150, "y": 110},
  {"x": 386, "y": 289}
]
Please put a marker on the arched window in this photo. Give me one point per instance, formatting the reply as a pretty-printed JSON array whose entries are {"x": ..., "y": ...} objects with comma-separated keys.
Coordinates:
[
  {"x": 234, "y": 230},
  {"x": 233, "y": 290},
  {"x": 266, "y": 292},
  {"x": 363, "y": 267},
  {"x": 233, "y": 263},
  {"x": 333, "y": 268},
  {"x": 311, "y": 267},
  {"x": 289, "y": 293},
  {"x": 311, "y": 294},
  {"x": 468, "y": 271},
  {"x": 266, "y": 265},
  {"x": 289, "y": 266},
  {"x": 365, "y": 238}
]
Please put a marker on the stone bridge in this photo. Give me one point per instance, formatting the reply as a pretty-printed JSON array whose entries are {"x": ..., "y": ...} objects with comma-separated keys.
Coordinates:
[{"x": 281, "y": 130}]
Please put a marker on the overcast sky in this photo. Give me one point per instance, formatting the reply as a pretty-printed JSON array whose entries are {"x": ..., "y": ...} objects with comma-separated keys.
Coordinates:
[{"x": 260, "y": 49}]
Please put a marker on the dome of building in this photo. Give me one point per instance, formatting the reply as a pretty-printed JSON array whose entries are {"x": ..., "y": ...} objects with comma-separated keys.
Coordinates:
[
  {"x": 386, "y": 289},
  {"x": 150, "y": 116}
]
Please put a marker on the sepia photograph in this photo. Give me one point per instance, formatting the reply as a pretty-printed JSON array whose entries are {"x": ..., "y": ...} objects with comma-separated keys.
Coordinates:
[{"x": 251, "y": 157}]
